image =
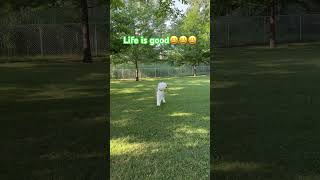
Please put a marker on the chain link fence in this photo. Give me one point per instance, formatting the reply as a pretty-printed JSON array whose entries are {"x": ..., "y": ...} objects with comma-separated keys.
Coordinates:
[
  {"x": 49, "y": 39},
  {"x": 56, "y": 37},
  {"x": 125, "y": 73},
  {"x": 254, "y": 30},
  {"x": 51, "y": 32}
]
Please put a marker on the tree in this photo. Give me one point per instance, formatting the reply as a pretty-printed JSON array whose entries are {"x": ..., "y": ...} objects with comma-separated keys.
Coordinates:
[
  {"x": 196, "y": 22},
  {"x": 269, "y": 7},
  {"x": 13, "y": 5},
  {"x": 83, "y": 5},
  {"x": 136, "y": 18},
  {"x": 85, "y": 32},
  {"x": 272, "y": 6}
]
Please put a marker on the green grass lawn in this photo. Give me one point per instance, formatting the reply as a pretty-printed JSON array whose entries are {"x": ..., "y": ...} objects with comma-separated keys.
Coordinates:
[
  {"x": 53, "y": 120},
  {"x": 267, "y": 120},
  {"x": 167, "y": 142}
]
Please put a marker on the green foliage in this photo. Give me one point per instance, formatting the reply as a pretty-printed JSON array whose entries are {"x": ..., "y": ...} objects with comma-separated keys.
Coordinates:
[
  {"x": 51, "y": 12},
  {"x": 195, "y": 22},
  {"x": 147, "y": 18},
  {"x": 135, "y": 18},
  {"x": 11, "y": 5},
  {"x": 254, "y": 7}
]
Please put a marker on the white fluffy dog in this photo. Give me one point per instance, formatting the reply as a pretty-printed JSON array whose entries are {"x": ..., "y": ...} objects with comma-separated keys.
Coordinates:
[{"x": 162, "y": 86}]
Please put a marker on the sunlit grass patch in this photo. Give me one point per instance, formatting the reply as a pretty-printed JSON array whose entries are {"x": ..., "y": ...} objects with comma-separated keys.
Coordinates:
[
  {"x": 175, "y": 114},
  {"x": 167, "y": 142},
  {"x": 123, "y": 122},
  {"x": 122, "y": 146},
  {"x": 192, "y": 130}
]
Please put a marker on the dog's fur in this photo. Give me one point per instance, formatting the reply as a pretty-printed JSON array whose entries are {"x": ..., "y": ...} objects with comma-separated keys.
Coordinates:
[{"x": 162, "y": 86}]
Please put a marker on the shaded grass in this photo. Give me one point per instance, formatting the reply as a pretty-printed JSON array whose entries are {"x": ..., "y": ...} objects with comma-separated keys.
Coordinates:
[
  {"x": 167, "y": 142},
  {"x": 52, "y": 120},
  {"x": 266, "y": 105}
]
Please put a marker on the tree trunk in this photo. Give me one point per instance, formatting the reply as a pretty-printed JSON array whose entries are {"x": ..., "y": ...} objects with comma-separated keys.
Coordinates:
[
  {"x": 272, "y": 24},
  {"x": 194, "y": 70},
  {"x": 137, "y": 70},
  {"x": 85, "y": 32}
]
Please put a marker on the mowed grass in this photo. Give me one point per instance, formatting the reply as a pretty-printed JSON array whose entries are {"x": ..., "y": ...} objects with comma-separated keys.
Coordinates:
[
  {"x": 167, "y": 142},
  {"x": 53, "y": 120},
  {"x": 267, "y": 120}
]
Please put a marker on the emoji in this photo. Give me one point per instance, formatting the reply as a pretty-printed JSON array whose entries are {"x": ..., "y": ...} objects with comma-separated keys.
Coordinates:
[
  {"x": 182, "y": 40},
  {"x": 173, "y": 39},
  {"x": 192, "y": 40}
]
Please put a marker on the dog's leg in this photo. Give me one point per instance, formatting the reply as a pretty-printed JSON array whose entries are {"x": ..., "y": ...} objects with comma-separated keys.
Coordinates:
[
  {"x": 158, "y": 98},
  {"x": 163, "y": 100}
]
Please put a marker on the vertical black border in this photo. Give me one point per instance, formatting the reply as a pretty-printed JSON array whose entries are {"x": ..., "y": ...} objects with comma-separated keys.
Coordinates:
[
  {"x": 108, "y": 89},
  {"x": 212, "y": 52}
]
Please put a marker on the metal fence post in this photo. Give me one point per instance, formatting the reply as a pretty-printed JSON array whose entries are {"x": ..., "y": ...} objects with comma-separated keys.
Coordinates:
[
  {"x": 41, "y": 40},
  {"x": 95, "y": 38},
  {"x": 228, "y": 35},
  {"x": 122, "y": 73},
  {"x": 300, "y": 32},
  {"x": 77, "y": 43},
  {"x": 264, "y": 29},
  {"x": 62, "y": 40}
]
